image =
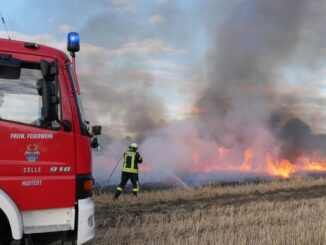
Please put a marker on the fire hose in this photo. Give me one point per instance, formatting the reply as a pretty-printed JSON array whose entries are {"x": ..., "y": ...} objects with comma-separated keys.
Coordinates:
[{"x": 108, "y": 180}]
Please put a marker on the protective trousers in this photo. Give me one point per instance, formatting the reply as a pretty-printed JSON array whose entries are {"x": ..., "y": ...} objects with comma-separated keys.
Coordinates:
[{"x": 124, "y": 179}]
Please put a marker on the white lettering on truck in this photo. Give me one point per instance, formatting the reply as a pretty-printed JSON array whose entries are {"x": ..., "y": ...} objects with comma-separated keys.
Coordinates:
[
  {"x": 40, "y": 136},
  {"x": 18, "y": 136},
  {"x": 54, "y": 169},
  {"x": 31, "y": 170},
  {"x": 27, "y": 183}
]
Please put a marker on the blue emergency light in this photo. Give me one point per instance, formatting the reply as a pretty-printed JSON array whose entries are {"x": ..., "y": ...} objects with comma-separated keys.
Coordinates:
[{"x": 73, "y": 42}]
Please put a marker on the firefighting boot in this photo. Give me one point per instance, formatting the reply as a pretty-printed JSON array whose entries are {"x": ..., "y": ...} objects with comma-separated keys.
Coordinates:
[{"x": 136, "y": 189}]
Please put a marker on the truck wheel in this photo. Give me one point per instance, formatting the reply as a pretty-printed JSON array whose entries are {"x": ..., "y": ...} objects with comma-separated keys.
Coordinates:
[
  {"x": 63, "y": 242},
  {"x": 5, "y": 241},
  {"x": 26, "y": 241},
  {"x": 5, "y": 230}
]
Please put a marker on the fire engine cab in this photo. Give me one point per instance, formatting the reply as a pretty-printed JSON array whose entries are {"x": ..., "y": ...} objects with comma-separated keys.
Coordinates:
[{"x": 45, "y": 159}]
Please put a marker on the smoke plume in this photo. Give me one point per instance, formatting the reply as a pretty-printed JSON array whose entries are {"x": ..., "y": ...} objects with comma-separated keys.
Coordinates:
[
  {"x": 245, "y": 70},
  {"x": 244, "y": 112}
]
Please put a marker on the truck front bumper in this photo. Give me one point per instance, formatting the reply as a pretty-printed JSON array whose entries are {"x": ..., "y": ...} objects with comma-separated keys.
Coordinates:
[{"x": 86, "y": 222}]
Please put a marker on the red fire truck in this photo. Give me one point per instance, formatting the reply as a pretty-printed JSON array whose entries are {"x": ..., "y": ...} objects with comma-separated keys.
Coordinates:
[{"x": 45, "y": 159}]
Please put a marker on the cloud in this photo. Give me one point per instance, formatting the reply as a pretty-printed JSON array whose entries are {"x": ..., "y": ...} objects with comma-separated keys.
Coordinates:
[
  {"x": 128, "y": 5},
  {"x": 146, "y": 46},
  {"x": 322, "y": 83},
  {"x": 156, "y": 19},
  {"x": 45, "y": 39},
  {"x": 161, "y": 2},
  {"x": 64, "y": 29},
  {"x": 164, "y": 64},
  {"x": 321, "y": 79}
]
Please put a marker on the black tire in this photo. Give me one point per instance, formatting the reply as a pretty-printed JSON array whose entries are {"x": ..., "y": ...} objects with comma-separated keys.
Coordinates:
[
  {"x": 5, "y": 230},
  {"x": 26, "y": 241}
]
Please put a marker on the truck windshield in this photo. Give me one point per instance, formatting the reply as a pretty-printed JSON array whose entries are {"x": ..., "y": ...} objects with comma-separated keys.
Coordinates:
[
  {"x": 19, "y": 98},
  {"x": 83, "y": 125}
]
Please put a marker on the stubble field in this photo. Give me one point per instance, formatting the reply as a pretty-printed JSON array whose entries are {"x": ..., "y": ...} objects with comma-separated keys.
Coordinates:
[{"x": 278, "y": 212}]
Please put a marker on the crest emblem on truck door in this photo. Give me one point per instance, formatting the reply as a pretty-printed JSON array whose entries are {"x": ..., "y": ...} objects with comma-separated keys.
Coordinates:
[{"x": 32, "y": 153}]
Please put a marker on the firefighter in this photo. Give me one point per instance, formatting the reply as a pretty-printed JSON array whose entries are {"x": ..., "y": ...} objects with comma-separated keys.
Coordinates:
[{"x": 130, "y": 170}]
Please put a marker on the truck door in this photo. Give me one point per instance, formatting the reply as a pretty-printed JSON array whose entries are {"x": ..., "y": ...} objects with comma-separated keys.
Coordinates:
[{"x": 37, "y": 157}]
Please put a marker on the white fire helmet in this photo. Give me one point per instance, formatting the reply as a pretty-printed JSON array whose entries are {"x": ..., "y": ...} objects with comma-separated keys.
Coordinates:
[{"x": 134, "y": 145}]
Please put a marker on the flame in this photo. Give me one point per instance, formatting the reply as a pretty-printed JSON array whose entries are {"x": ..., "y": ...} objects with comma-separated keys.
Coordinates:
[
  {"x": 283, "y": 168},
  {"x": 145, "y": 167},
  {"x": 209, "y": 158},
  {"x": 315, "y": 166},
  {"x": 248, "y": 155},
  {"x": 223, "y": 160}
]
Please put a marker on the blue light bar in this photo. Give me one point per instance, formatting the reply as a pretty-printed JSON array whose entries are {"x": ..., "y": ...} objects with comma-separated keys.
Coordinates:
[{"x": 73, "y": 42}]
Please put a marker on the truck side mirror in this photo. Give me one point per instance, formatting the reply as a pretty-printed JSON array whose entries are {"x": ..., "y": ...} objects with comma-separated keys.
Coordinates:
[
  {"x": 47, "y": 90},
  {"x": 49, "y": 70},
  {"x": 96, "y": 130}
]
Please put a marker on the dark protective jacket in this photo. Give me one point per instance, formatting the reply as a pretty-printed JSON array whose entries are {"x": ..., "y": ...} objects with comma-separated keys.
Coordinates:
[{"x": 131, "y": 159}]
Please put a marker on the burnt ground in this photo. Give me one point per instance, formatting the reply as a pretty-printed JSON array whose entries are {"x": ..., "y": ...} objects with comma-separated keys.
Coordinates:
[{"x": 110, "y": 211}]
